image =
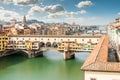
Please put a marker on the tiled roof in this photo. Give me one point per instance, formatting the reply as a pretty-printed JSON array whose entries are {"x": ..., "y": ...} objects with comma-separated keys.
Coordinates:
[
  {"x": 97, "y": 61},
  {"x": 115, "y": 24}
]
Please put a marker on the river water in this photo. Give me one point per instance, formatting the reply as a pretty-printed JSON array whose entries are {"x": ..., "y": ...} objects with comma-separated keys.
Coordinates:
[{"x": 50, "y": 67}]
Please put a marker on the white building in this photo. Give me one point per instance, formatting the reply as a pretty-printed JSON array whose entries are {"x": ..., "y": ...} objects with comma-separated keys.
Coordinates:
[{"x": 114, "y": 34}]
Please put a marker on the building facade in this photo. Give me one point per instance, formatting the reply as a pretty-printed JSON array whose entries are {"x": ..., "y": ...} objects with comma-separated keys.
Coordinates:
[
  {"x": 84, "y": 43},
  {"x": 3, "y": 42},
  {"x": 114, "y": 34}
]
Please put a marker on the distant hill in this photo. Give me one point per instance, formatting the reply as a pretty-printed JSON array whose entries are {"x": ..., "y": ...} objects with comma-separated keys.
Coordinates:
[
  {"x": 3, "y": 22},
  {"x": 34, "y": 21}
]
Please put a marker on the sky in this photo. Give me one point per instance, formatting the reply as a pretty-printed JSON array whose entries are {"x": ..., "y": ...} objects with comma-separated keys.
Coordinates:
[{"x": 82, "y": 12}]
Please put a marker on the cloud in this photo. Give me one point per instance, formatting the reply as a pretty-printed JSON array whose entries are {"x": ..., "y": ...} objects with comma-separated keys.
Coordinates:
[
  {"x": 77, "y": 20},
  {"x": 54, "y": 8},
  {"x": 53, "y": 11},
  {"x": 35, "y": 9},
  {"x": 84, "y": 4},
  {"x": 1, "y": 8},
  {"x": 93, "y": 20},
  {"x": 47, "y": 9},
  {"x": 118, "y": 13},
  {"x": 83, "y": 11},
  {"x": 6, "y": 15},
  {"x": 20, "y": 2},
  {"x": 66, "y": 14},
  {"x": 61, "y": 0},
  {"x": 69, "y": 20}
]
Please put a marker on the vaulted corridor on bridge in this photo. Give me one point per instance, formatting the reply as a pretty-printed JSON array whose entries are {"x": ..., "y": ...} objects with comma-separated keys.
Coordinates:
[
  {"x": 55, "y": 44},
  {"x": 48, "y": 44},
  {"x": 42, "y": 44}
]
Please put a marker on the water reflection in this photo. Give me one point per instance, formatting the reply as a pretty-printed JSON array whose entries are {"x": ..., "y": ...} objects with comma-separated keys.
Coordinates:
[
  {"x": 68, "y": 70},
  {"x": 50, "y": 67},
  {"x": 11, "y": 60},
  {"x": 81, "y": 56},
  {"x": 53, "y": 55}
]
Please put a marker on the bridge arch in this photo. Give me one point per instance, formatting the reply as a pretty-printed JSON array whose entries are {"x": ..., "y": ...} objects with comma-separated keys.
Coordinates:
[
  {"x": 48, "y": 44},
  {"x": 55, "y": 44},
  {"x": 25, "y": 53},
  {"x": 19, "y": 52},
  {"x": 42, "y": 44}
]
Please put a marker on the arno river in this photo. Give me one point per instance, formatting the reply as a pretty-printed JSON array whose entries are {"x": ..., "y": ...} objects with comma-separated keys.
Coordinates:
[{"x": 50, "y": 67}]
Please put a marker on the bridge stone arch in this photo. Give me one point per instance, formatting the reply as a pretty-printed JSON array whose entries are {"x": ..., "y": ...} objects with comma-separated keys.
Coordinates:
[
  {"x": 55, "y": 44},
  {"x": 42, "y": 44},
  {"x": 19, "y": 52},
  {"x": 48, "y": 44},
  {"x": 31, "y": 53},
  {"x": 26, "y": 53}
]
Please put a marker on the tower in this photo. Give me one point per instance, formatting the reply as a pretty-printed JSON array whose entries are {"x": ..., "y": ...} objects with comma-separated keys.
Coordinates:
[{"x": 24, "y": 21}]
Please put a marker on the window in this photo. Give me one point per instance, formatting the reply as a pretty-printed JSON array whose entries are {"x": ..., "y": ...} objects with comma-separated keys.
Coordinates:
[
  {"x": 6, "y": 38},
  {"x": 119, "y": 48},
  {"x": 92, "y": 78},
  {"x": 75, "y": 39},
  {"x": 97, "y": 39},
  {"x": 90, "y": 40},
  {"x": 82, "y": 39},
  {"x": 14, "y": 41}
]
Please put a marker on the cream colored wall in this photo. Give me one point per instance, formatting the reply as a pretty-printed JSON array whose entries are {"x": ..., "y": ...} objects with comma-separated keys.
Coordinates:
[
  {"x": 50, "y": 39},
  {"x": 102, "y": 75}
]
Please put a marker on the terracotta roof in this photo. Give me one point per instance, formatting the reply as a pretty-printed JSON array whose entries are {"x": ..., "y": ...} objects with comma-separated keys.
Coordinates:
[
  {"x": 115, "y": 24},
  {"x": 97, "y": 61}
]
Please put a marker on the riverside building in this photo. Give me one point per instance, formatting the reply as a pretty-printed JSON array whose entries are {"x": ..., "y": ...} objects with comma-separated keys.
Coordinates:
[{"x": 3, "y": 42}]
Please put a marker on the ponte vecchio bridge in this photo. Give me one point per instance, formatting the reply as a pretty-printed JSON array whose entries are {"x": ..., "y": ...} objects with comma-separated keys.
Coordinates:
[{"x": 67, "y": 44}]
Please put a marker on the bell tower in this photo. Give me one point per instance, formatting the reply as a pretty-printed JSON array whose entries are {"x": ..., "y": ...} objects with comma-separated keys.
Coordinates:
[{"x": 24, "y": 21}]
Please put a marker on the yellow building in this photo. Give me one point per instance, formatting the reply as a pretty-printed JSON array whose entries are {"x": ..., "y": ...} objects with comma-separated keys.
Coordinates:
[
  {"x": 72, "y": 46},
  {"x": 28, "y": 45},
  {"x": 3, "y": 42},
  {"x": 27, "y": 31},
  {"x": 35, "y": 45}
]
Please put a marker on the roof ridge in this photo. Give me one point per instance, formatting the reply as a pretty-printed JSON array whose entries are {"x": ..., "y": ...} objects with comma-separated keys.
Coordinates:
[
  {"x": 94, "y": 52},
  {"x": 99, "y": 48},
  {"x": 103, "y": 51}
]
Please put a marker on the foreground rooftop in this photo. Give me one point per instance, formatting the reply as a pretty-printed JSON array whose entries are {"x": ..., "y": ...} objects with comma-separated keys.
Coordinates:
[{"x": 98, "y": 59}]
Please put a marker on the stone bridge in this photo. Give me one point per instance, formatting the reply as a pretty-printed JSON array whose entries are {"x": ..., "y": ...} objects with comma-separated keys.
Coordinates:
[{"x": 34, "y": 45}]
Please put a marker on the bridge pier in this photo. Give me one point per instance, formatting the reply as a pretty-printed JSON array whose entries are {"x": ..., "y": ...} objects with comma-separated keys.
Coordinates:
[
  {"x": 35, "y": 53},
  {"x": 7, "y": 52},
  {"x": 68, "y": 55}
]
